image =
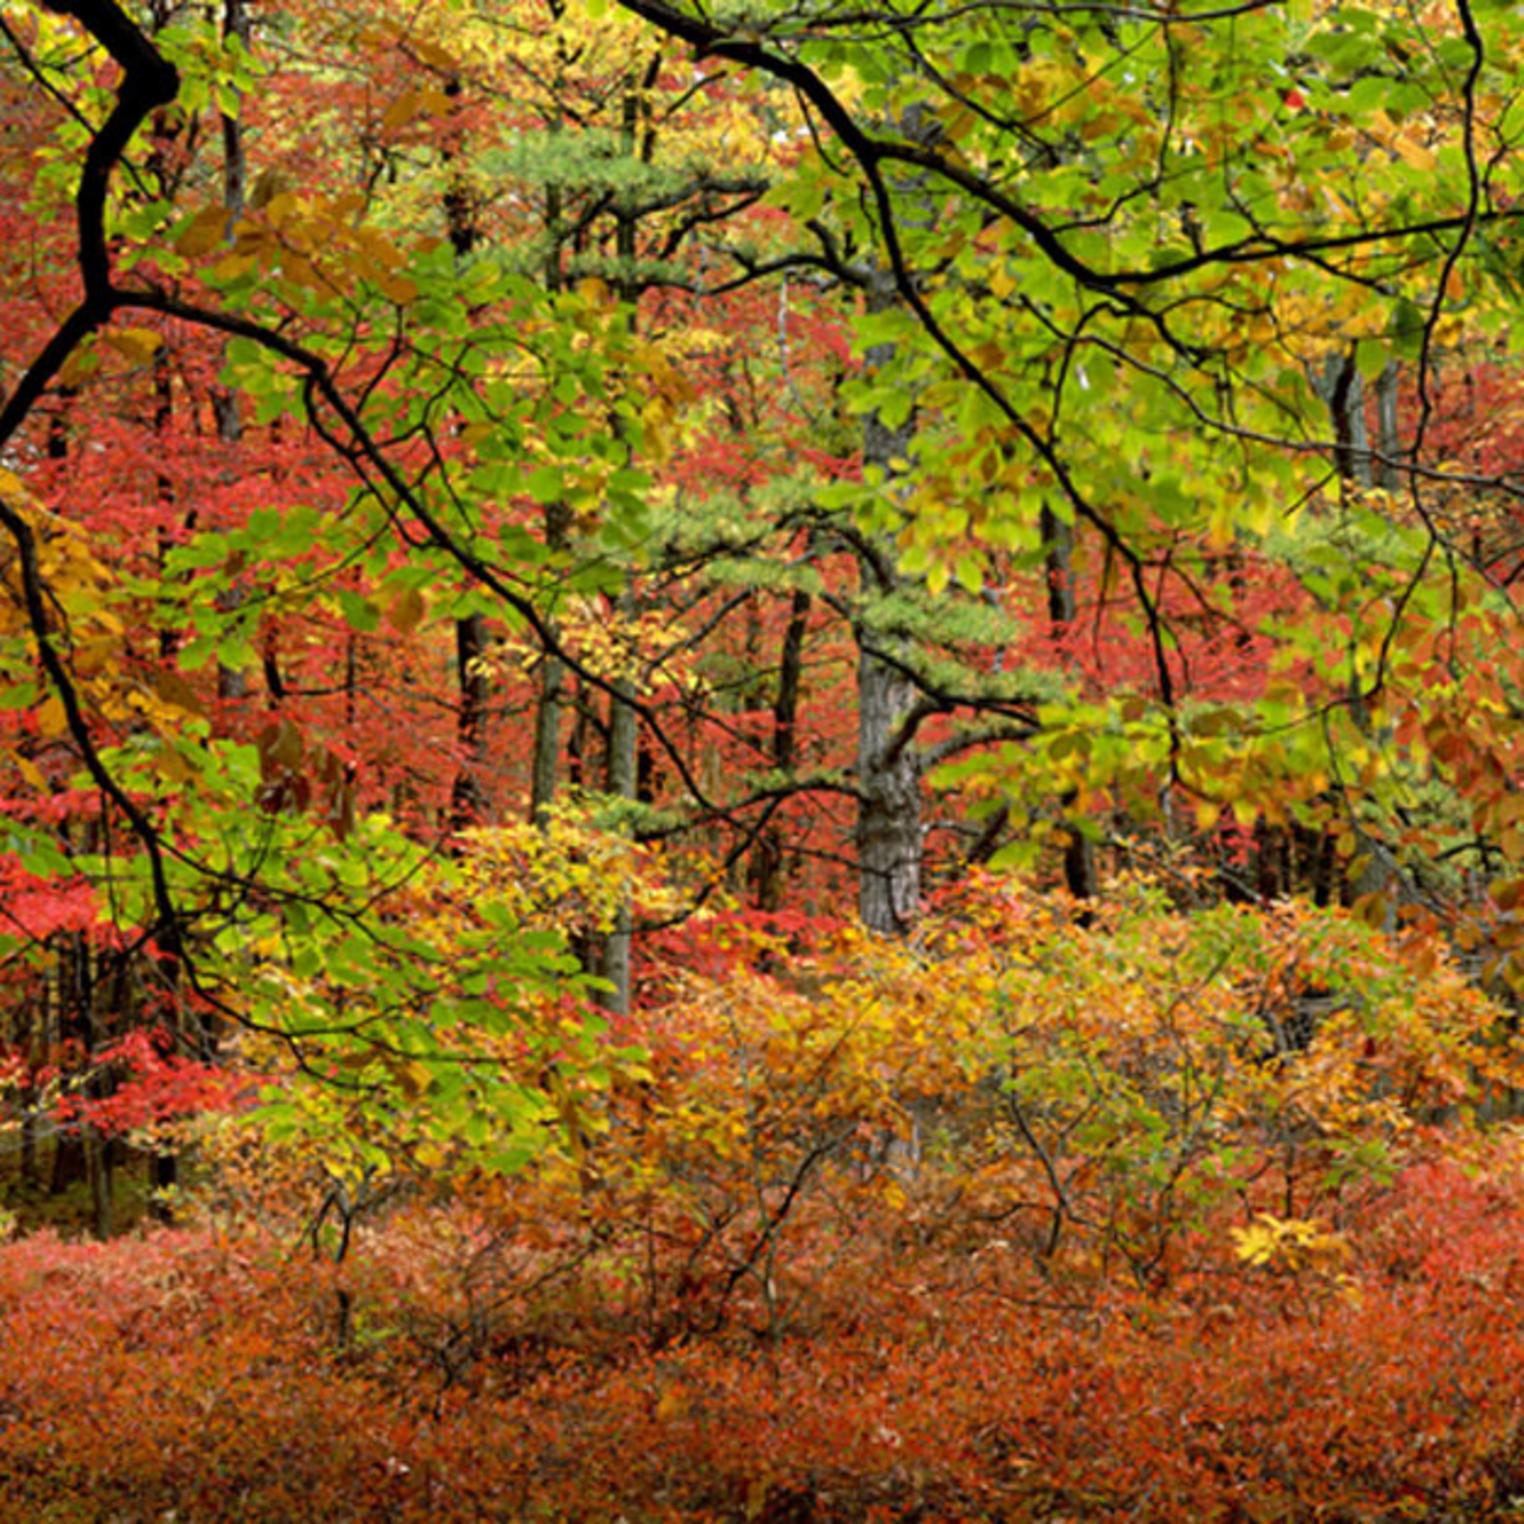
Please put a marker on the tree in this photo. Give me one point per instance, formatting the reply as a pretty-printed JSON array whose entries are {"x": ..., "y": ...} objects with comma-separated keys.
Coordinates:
[
  {"x": 552, "y": 554},
  {"x": 1127, "y": 251},
  {"x": 1108, "y": 357}
]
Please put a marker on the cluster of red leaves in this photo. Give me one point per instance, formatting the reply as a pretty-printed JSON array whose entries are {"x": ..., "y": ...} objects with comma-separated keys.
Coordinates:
[
  {"x": 187, "y": 1372},
  {"x": 152, "y": 1084},
  {"x": 36, "y": 908}
]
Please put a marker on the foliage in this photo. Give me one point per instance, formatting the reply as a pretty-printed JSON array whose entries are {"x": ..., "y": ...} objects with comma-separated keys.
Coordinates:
[
  {"x": 514, "y": 516},
  {"x": 759, "y": 1292}
]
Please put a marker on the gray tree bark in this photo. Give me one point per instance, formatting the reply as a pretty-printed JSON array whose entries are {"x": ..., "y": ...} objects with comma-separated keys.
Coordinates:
[
  {"x": 889, "y": 837},
  {"x": 1388, "y": 474}
]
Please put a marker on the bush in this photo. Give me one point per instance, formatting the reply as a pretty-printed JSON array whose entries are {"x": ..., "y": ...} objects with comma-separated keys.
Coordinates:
[{"x": 1022, "y": 1220}]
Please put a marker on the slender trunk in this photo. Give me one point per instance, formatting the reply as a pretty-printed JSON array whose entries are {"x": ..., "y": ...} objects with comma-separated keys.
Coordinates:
[
  {"x": 622, "y": 777},
  {"x": 67, "y": 1010},
  {"x": 99, "y": 1155},
  {"x": 235, "y": 24},
  {"x": 99, "y": 1162},
  {"x": 1343, "y": 390},
  {"x": 546, "y": 757},
  {"x": 1325, "y": 866},
  {"x": 547, "y": 739},
  {"x": 34, "y": 1043},
  {"x": 81, "y": 1152},
  {"x": 232, "y": 682},
  {"x": 468, "y": 799},
  {"x": 578, "y": 743},
  {"x": 1388, "y": 440},
  {"x": 889, "y": 838},
  {"x": 163, "y": 423},
  {"x": 769, "y": 861},
  {"x": 620, "y": 781},
  {"x": 69, "y": 1161},
  {"x": 1058, "y": 558}
]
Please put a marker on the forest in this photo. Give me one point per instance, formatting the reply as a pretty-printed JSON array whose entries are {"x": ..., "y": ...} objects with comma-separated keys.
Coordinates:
[{"x": 760, "y": 760}]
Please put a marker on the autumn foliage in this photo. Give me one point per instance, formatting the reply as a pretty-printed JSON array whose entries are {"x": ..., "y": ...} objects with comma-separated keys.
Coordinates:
[
  {"x": 760, "y": 762},
  {"x": 1023, "y": 1219}
]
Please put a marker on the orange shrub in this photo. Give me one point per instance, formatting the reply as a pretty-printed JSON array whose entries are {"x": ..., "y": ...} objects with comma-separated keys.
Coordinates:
[{"x": 1157, "y": 1219}]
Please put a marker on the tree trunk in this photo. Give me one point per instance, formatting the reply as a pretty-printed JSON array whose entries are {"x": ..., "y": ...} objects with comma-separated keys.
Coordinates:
[
  {"x": 1388, "y": 440},
  {"x": 468, "y": 798},
  {"x": 1345, "y": 395},
  {"x": 889, "y": 840},
  {"x": 889, "y": 804},
  {"x": 546, "y": 758},
  {"x": 232, "y": 682},
  {"x": 99, "y": 1166},
  {"x": 1058, "y": 544},
  {"x": 1343, "y": 389},
  {"x": 620, "y": 781},
  {"x": 769, "y": 859},
  {"x": 622, "y": 776}
]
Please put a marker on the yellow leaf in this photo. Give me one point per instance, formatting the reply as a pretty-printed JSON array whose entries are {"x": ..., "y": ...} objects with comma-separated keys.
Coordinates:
[
  {"x": 406, "y": 108},
  {"x": 267, "y": 186},
  {"x": 203, "y": 232},
  {"x": 233, "y": 267},
  {"x": 399, "y": 289},
  {"x": 176, "y": 692},
  {"x": 51, "y": 721},
  {"x": 1414, "y": 154},
  {"x": 172, "y": 764},
  {"x": 435, "y": 56},
  {"x": 1220, "y": 528},
  {"x": 30, "y": 771},
  {"x": 138, "y": 344},
  {"x": 80, "y": 365},
  {"x": 281, "y": 208},
  {"x": 1292, "y": 1243},
  {"x": 415, "y": 1079},
  {"x": 407, "y": 611}
]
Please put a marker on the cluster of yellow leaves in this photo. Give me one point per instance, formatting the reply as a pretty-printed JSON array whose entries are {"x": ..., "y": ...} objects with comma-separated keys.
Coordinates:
[
  {"x": 642, "y": 648},
  {"x": 315, "y": 243},
  {"x": 565, "y": 873},
  {"x": 1098, "y": 1091},
  {"x": 1289, "y": 1243},
  {"x": 88, "y": 633}
]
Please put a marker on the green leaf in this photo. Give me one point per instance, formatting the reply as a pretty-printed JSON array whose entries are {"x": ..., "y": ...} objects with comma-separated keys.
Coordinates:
[
  {"x": 1371, "y": 358},
  {"x": 546, "y": 485}
]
